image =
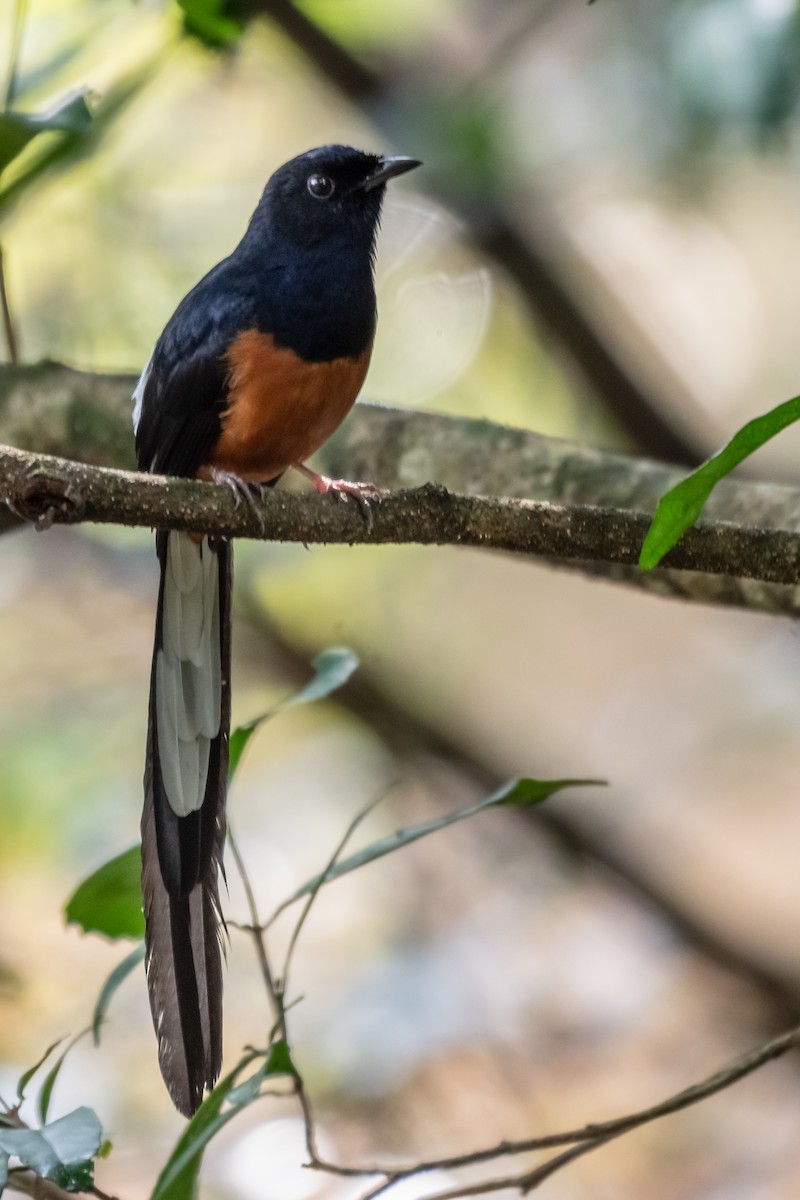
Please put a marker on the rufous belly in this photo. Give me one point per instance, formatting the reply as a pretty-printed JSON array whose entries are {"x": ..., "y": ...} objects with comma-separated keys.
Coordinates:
[{"x": 281, "y": 408}]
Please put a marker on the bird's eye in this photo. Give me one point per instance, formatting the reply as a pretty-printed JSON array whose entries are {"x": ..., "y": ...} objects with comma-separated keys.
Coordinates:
[{"x": 320, "y": 186}]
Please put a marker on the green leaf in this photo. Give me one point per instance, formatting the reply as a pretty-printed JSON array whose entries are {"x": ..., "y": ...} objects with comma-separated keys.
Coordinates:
[
  {"x": 178, "y": 1179},
  {"x": 332, "y": 668},
  {"x": 280, "y": 1060},
  {"x": 63, "y": 152},
  {"x": 77, "y": 1177},
  {"x": 3, "y": 1171},
  {"x": 520, "y": 793},
  {"x": 28, "y": 1075},
  {"x": 71, "y": 115},
  {"x": 110, "y": 900},
  {"x": 321, "y": 879},
  {"x": 76, "y": 1138},
  {"x": 32, "y": 1150},
  {"x": 62, "y": 1151},
  {"x": 109, "y": 988},
  {"x": 681, "y": 506},
  {"x": 46, "y": 1093}
]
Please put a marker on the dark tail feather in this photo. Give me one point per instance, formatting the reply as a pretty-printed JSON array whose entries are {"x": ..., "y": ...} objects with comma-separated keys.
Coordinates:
[{"x": 181, "y": 860}]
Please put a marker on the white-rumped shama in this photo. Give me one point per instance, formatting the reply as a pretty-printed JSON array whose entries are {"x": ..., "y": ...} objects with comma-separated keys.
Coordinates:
[{"x": 259, "y": 364}]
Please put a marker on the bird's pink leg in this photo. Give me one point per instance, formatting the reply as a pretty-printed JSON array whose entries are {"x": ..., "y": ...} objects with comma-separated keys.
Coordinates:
[{"x": 362, "y": 493}]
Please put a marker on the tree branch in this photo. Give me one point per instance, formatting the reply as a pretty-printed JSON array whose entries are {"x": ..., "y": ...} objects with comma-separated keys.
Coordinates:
[
  {"x": 53, "y": 409},
  {"x": 28, "y": 1183},
  {"x": 84, "y": 416},
  {"x": 44, "y": 490}
]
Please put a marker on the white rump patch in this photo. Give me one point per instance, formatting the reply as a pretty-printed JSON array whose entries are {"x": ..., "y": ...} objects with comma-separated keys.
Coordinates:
[
  {"x": 188, "y": 671},
  {"x": 138, "y": 393}
]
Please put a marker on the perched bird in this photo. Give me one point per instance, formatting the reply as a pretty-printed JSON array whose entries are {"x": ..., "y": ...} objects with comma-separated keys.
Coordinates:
[{"x": 259, "y": 364}]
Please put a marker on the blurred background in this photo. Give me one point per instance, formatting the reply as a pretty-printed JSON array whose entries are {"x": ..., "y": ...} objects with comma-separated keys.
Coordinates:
[{"x": 604, "y": 245}]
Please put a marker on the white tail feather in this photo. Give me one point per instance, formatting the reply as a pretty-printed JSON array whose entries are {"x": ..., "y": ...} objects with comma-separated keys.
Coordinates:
[{"x": 188, "y": 676}]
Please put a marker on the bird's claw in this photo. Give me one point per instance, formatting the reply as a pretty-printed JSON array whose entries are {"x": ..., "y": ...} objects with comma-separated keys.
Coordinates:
[
  {"x": 244, "y": 491},
  {"x": 362, "y": 493}
]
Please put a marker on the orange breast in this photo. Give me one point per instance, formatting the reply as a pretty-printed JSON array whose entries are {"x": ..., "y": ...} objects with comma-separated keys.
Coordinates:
[{"x": 280, "y": 408}]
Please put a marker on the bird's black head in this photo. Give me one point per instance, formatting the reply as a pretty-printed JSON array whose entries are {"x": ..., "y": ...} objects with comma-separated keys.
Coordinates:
[{"x": 325, "y": 193}]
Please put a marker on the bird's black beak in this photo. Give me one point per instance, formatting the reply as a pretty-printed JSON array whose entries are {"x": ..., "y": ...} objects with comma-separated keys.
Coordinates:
[{"x": 387, "y": 169}]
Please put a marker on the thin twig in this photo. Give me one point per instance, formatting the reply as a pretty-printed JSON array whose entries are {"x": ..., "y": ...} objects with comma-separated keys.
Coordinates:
[
  {"x": 321, "y": 880},
  {"x": 256, "y": 930},
  {"x": 309, "y": 1122},
  {"x": 275, "y": 989},
  {"x": 12, "y": 343},
  {"x": 28, "y": 1183},
  {"x": 276, "y": 994},
  {"x": 523, "y": 1183},
  {"x": 588, "y": 1137}
]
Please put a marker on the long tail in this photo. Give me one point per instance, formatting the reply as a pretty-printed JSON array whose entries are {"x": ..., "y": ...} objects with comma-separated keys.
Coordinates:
[{"x": 183, "y": 822}]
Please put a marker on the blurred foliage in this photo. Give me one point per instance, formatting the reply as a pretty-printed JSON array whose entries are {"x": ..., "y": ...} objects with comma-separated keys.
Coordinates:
[
  {"x": 112, "y": 984},
  {"x": 394, "y": 25},
  {"x": 737, "y": 65},
  {"x": 71, "y": 116},
  {"x": 211, "y": 21},
  {"x": 32, "y": 143},
  {"x": 72, "y": 144},
  {"x": 156, "y": 185}
]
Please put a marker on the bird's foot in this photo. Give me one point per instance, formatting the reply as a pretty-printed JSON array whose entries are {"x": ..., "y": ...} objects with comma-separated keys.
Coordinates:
[
  {"x": 362, "y": 493},
  {"x": 244, "y": 490}
]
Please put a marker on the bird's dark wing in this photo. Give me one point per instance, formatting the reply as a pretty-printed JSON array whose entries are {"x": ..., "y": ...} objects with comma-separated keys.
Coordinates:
[{"x": 183, "y": 390}]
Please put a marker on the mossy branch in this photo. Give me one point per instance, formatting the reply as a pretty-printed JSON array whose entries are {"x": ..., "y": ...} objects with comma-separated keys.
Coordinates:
[
  {"x": 44, "y": 489},
  {"x": 496, "y": 488}
]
